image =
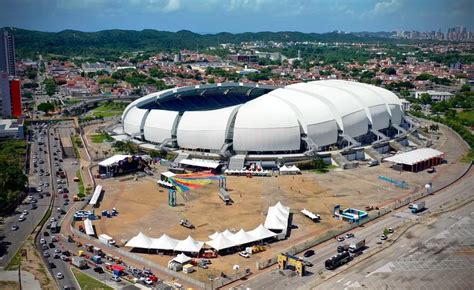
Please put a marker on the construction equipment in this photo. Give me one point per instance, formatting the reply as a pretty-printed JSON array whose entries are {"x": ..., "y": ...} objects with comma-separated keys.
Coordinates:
[{"x": 286, "y": 261}]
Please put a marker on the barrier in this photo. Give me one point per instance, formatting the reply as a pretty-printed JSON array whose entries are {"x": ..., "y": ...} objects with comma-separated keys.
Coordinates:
[{"x": 401, "y": 184}]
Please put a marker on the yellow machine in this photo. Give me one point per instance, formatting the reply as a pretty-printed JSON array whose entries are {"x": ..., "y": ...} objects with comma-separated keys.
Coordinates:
[
  {"x": 286, "y": 261},
  {"x": 257, "y": 249}
]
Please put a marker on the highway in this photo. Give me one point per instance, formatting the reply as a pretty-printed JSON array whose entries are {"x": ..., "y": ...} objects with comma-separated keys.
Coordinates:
[
  {"x": 13, "y": 239},
  {"x": 59, "y": 202},
  {"x": 371, "y": 232}
]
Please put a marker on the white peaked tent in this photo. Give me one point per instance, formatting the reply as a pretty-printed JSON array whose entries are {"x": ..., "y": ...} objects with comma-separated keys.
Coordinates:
[
  {"x": 214, "y": 235},
  {"x": 261, "y": 233},
  {"x": 139, "y": 241},
  {"x": 182, "y": 258},
  {"x": 277, "y": 217},
  {"x": 164, "y": 243},
  {"x": 228, "y": 234},
  {"x": 188, "y": 245},
  {"x": 220, "y": 242},
  {"x": 242, "y": 237}
]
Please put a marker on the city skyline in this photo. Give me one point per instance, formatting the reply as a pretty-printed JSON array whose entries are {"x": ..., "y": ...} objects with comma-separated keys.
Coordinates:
[{"x": 237, "y": 16}]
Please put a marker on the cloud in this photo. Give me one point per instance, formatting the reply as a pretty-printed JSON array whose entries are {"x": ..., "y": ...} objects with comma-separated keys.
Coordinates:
[
  {"x": 388, "y": 6},
  {"x": 172, "y": 5}
]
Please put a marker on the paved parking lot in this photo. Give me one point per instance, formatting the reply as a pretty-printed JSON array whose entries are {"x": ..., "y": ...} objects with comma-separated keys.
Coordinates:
[{"x": 437, "y": 255}]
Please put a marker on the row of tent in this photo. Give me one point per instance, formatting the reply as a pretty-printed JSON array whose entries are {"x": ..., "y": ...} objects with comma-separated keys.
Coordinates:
[
  {"x": 219, "y": 241},
  {"x": 247, "y": 172},
  {"x": 289, "y": 170}
]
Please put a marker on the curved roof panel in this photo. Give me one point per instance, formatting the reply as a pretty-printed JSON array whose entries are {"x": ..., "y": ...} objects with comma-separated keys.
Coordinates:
[
  {"x": 160, "y": 125},
  {"x": 205, "y": 129},
  {"x": 266, "y": 124},
  {"x": 134, "y": 121}
]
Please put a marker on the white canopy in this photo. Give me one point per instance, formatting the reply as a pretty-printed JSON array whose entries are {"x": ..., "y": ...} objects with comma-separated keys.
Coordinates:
[
  {"x": 242, "y": 237},
  {"x": 310, "y": 214},
  {"x": 261, "y": 233},
  {"x": 214, "y": 235},
  {"x": 96, "y": 195},
  {"x": 139, "y": 241},
  {"x": 164, "y": 243},
  {"x": 277, "y": 217},
  {"x": 415, "y": 156},
  {"x": 220, "y": 242},
  {"x": 113, "y": 160},
  {"x": 228, "y": 234},
  {"x": 188, "y": 245},
  {"x": 182, "y": 258}
]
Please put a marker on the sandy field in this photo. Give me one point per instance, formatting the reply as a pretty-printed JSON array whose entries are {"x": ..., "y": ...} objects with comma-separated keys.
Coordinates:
[{"x": 143, "y": 206}]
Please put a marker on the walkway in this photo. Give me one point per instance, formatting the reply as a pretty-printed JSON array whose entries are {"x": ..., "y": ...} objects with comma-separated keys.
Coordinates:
[{"x": 28, "y": 281}]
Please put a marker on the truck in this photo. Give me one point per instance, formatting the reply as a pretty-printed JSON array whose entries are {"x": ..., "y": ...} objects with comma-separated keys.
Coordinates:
[
  {"x": 107, "y": 240},
  {"x": 79, "y": 262},
  {"x": 417, "y": 207},
  {"x": 342, "y": 248},
  {"x": 357, "y": 245},
  {"x": 337, "y": 260}
]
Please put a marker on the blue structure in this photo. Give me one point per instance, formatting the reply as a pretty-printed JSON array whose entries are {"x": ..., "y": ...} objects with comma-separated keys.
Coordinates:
[
  {"x": 172, "y": 197},
  {"x": 401, "y": 184},
  {"x": 352, "y": 215}
]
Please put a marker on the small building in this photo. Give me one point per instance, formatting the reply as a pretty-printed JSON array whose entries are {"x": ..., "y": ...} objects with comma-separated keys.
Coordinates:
[
  {"x": 11, "y": 129},
  {"x": 417, "y": 160},
  {"x": 436, "y": 96},
  {"x": 68, "y": 149}
]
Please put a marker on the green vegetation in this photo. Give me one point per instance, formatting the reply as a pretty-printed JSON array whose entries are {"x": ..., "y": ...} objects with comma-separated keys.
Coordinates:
[
  {"x": 136, "y": 79},
  {"x": 87, "y": 282},
  {"x": 127, "y": 147},
  {"x": 316, "y": 165},
  {"x": 466, "y": 118},
  {"x": 46, "y": 107},
  {"x": 50, "y": 86},
  {"x": 11, "y": 285},
  {"x": 162, "y": 154},
  {"x": 386, "y": 232},
  {"x": 80, "y": 184},
  {"x": 108, "y": 109},
  {"x": 12, "y": 178},
  {"x": 434, "y": 79},
  {"x": 107, "y": 81},
  {"x": 101, "y": 137},
  {"x": 15, "y": 262}
]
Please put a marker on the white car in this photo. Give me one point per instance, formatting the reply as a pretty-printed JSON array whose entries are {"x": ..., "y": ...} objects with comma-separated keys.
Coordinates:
[
  {"x": 53, "y": 219},
  {"x": 21, "y": 218},
  {"x": 148, "y": 281},
  {"x": 42, "y": 241},
  {"x": 39, "y": 189},
  {"x": 25, "y": 212},
  {"x": 59, "y": 275},
  {"x": 244, "y": 254}
]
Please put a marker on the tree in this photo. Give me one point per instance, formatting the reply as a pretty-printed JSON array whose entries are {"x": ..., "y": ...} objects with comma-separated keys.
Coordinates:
[
  {"x": 45, "y": 107},
  {"x": 50, "y": 86},
  {"x": 465, "y": 88},
  {"x": 390, "y": 71},
  {"x": 426, "y": 99},
  {"x": 211, "y": 81},
  {"x": 416, "y": 107}
]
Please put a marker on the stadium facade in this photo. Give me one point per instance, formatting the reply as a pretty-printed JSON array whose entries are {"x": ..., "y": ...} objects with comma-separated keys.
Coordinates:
[{"x": 238, "y": 118}]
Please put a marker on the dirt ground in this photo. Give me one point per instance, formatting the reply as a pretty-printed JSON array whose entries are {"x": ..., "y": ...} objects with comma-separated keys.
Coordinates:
[{"x": 143, "y": 207}]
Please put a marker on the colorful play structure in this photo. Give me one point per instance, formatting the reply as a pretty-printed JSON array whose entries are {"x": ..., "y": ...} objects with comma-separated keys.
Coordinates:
[
  {"x": 352, "y": 215},
  {"x": 401, "y": 184}
]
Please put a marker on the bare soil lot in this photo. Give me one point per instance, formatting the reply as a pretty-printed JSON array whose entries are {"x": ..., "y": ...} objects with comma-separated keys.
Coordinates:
[{"x": 143, "y": 205}]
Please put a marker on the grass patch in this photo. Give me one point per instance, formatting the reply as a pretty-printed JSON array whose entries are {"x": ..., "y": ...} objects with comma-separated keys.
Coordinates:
[
  {"x": 107, "y": 109},
  {"x": 87, "y": 282},
  {"x": 80, "y": 184},
  {"x": 15, "y": 262},
  {"x": 100, "y": 138},
  {"x": 323, "y": 170},
  {"x": 466, "y": 117}
]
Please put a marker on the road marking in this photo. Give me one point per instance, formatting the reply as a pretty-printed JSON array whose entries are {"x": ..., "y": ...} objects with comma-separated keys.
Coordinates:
[
  {"x": 340, "y": 280},
  {"x": 347, "y": 283}
]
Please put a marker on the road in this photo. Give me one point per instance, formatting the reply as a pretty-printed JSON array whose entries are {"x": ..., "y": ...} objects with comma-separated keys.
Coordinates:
[
  {"x": 70, "y": 169},
  {"x": 436, "y": 254},
  {"x": 13, "y": 239},
  {"x": 286, "y": 279}
]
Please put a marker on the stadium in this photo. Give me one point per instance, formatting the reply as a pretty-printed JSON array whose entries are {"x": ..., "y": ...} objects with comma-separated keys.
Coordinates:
[{"x": 264, "y": 122}]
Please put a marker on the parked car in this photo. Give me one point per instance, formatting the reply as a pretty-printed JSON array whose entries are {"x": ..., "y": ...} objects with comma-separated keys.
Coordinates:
[
  {"x": 308, "y": 253},
  {"x": 99, "y": 270},
  {"x": 340, "y": 239},
  {"x": 244, "y": 254},
  {"x": 383, "y": 237},
  {"x": 42, "y": 241},
  {"x": 45, "y": 254},
  {"x": 52, "y": 265},
  {"x": 15, "y": 227},
  {"x": 60, "y": 275}
]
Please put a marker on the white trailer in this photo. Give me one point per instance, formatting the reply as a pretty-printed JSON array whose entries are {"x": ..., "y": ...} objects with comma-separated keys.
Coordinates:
[{"x": 107, "y": 240}]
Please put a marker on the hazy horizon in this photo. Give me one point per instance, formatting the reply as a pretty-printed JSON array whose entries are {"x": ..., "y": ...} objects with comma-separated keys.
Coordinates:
[{"x": 237, "y": 16}]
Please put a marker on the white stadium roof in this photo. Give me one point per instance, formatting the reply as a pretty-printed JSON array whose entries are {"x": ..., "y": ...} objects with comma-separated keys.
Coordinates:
[{"x": 270, "y": 121}]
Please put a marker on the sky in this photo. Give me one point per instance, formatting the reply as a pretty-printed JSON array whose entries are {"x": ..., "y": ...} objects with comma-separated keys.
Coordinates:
[{"x": 212, "y": 16}]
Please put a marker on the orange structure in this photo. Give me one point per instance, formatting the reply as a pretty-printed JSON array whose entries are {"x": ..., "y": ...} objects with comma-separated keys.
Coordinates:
[{"x": 15, "y": 94}]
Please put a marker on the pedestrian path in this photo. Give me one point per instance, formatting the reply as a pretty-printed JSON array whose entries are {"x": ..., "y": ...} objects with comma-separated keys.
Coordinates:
[{"x": 28, "y": 281}]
